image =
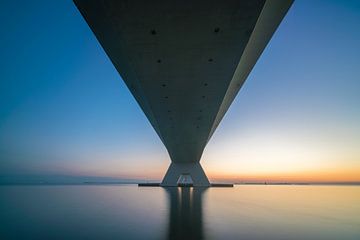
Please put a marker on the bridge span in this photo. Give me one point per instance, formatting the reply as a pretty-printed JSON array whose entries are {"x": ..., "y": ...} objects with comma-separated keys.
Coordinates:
[{"x": 184, "y": 62}]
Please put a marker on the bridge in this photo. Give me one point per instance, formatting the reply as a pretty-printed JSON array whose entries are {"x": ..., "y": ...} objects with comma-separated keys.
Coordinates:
[{"x": 184, "y": 62}]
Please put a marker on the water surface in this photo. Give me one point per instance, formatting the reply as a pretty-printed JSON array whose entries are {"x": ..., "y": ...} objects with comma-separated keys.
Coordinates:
[{"x": 130, "y": 212}]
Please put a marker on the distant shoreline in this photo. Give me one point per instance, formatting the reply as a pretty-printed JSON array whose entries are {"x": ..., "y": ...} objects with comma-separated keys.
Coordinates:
[
  {"x": 135, "y": 183},
  {"x": 286, "y": 183}
]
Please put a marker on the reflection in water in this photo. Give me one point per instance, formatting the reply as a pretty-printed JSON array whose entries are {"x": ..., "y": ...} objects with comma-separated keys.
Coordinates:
[
  {"x": 258, "y": 212},
  {"x": 185, "y": 213}
]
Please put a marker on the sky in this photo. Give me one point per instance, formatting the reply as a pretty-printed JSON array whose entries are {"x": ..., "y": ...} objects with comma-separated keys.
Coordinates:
[{"x": 64, "y": 109}]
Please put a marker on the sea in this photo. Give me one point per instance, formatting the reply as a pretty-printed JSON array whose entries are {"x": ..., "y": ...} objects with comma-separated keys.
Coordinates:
[{"x": 126, "y": 211}]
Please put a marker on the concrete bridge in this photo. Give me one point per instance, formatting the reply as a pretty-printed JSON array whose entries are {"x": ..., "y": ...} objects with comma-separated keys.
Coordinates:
[{"x": 184, "y": 62}]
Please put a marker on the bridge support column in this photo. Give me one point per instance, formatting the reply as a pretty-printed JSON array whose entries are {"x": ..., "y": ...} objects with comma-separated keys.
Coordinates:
[{"x": 195, "y": 170}]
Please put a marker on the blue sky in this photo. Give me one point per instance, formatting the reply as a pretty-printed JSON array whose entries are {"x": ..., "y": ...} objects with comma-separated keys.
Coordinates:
[{"x": 65, "y": 110}]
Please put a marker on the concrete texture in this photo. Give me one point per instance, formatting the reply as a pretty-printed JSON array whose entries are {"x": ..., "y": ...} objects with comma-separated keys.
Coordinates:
[
  {"x": 193, "y": 169},
  {"x": 184, "y": 62}
]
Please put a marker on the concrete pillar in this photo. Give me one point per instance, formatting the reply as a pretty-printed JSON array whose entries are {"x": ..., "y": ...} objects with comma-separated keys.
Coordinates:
[{"x": 193, "y": 169}]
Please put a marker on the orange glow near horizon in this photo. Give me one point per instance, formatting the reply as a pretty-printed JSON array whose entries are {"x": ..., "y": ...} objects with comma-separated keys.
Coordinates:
[
  {"x": 277, "y": 167},
  {"x": 260, "y": 158},
  {"x": 289, "y": 156},
  {"x": 344, "y": 175},
  {"x": 148, "y": 172}
]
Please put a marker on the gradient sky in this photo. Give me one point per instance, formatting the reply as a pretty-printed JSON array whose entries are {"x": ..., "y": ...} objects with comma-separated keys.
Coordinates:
[{"x": 65, "y": 110}]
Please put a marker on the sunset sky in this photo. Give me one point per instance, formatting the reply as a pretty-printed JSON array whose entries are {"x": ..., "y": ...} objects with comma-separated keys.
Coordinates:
[{"x": 64, "y": 109}]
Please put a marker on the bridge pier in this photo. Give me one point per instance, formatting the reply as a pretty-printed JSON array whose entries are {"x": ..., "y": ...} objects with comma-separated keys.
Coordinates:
[{"x": 176, "y": 170}]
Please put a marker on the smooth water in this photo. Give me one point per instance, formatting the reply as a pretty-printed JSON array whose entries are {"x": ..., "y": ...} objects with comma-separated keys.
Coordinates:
[{"x": 131, "y": 212}]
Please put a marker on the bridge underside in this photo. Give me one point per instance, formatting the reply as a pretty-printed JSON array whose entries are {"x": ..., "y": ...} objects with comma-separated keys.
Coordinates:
[{"x": 184, "y": 62}]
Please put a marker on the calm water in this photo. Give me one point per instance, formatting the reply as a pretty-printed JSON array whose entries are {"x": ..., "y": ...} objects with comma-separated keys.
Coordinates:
[{"x": 130, "y": 212}]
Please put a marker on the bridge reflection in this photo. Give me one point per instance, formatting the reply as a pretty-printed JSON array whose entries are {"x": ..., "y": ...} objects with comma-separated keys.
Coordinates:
[{"x": 185, "y": 213}]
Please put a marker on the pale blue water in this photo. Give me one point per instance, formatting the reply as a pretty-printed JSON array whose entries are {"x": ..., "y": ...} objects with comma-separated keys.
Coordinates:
[{"x": 130, "y": 212}]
